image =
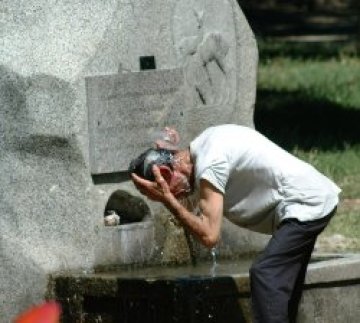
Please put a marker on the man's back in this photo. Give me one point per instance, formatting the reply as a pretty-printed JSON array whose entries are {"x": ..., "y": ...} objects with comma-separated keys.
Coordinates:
[{"x": 262, "y": 183}]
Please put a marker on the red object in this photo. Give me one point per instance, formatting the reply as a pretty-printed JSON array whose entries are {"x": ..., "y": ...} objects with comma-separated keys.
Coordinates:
[{"x": 44, "y": 313}]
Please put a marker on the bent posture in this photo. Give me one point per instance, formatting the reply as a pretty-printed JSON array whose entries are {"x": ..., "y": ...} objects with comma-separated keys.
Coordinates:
[{"x": 257, "y": 185}]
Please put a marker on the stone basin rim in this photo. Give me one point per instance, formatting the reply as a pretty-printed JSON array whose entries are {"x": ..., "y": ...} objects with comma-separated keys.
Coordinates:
[{"x": 321, "y": 269}]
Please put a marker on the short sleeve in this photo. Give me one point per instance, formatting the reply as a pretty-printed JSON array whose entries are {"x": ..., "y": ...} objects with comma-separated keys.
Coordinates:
[
  {"x": 217, "y": 174},
  {"x": 210, "y": 157}
]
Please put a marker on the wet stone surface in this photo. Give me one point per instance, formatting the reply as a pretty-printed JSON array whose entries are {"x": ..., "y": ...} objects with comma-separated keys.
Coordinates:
[{"x": 114, "y": 299}]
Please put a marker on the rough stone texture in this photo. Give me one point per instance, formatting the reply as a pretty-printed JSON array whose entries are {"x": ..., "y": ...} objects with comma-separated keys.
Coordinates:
[
  {"x": 51, "y": 212},
  {"x": 332, "y": 291}
]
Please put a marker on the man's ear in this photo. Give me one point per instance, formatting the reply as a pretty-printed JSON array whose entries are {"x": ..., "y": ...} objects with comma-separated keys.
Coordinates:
[{"x": 166, "y": 173}]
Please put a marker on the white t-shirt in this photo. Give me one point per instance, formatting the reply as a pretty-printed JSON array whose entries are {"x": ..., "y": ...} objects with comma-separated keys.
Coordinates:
[{"x": 262, "y": 183}]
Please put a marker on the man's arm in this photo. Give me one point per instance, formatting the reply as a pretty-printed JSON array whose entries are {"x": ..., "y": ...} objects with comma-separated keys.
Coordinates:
[
  {"x": 206, "y": 225},
  {"x": 210, "y": 214}
]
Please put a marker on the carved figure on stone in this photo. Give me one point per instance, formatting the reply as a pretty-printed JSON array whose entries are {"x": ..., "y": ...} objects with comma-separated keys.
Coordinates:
[{"x": 203, "y": 46}]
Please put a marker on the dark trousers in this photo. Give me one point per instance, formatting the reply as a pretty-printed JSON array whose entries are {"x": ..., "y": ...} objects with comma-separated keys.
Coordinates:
[{"x": 278, "y": 275}]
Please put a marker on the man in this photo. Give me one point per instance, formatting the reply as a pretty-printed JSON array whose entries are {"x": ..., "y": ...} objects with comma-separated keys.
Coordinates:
[{"x": 256, "y": 185}]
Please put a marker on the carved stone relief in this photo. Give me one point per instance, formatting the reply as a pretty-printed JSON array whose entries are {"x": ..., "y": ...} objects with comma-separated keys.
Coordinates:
[{"x": 205, "y": 42}]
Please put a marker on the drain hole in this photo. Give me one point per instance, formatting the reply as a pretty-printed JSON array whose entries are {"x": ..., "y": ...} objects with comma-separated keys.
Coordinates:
[
  {"x": 147, "y": 63},
  {"x": 124, "y": 208}
]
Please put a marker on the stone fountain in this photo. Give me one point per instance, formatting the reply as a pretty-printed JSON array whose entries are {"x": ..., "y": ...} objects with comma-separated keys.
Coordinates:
[{"x": 84, "y": 85}]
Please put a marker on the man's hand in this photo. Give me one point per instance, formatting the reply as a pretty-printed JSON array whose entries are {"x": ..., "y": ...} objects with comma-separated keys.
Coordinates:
[
  {"x": 205, "y": 227},
  {"x": 158, "y": 190}
]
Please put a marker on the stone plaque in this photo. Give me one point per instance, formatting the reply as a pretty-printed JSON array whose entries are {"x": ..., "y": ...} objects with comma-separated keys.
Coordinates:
[{"x": 125, "y": 110}]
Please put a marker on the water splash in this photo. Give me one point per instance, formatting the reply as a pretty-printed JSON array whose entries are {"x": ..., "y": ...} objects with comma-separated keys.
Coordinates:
[
  {"x": 213, "y": 252},
  {"x": 191, "y": 203},
  {"x": 156, "y": 135},
  {"x": 168, "y": 138},
  {"x": 191, "y": 246}
]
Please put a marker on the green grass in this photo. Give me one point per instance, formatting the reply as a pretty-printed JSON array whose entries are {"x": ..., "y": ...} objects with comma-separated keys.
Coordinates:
[
  {"x": 310, "y": 105},
  {"x": 346, "y": 223},
  {"x": 336, "y": 80},
  {"x": 343, "y": 166}
]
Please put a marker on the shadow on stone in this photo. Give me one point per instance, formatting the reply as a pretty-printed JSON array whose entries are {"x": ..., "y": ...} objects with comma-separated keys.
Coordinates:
[
  {"x": 183, "y": 300},
  {"x": 33, "y": 118},
  {"x": 52, "y": 147}
]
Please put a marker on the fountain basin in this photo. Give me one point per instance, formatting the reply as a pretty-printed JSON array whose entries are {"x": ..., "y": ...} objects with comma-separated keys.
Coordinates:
[{"x": 202, "y": 293}]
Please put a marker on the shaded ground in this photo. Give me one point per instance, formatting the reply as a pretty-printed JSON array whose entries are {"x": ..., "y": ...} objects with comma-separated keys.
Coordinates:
[
  {"x": 292, "y": 22},
  {"x": 322, "y": 30}
]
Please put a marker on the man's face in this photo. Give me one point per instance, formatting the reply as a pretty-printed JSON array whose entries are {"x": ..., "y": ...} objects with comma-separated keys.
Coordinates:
[{"x": 180, "y": 184}]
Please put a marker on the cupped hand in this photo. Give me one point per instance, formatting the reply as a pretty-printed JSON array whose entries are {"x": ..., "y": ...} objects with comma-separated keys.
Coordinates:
[{"x": 158, "y": 190}]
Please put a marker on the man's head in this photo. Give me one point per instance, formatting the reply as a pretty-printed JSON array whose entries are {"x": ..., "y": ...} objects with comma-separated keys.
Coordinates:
[{"x": 175, "y": 167}]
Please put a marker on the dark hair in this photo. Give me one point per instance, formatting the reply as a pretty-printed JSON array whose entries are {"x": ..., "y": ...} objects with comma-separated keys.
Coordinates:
[{"x": 142, "y": 165}]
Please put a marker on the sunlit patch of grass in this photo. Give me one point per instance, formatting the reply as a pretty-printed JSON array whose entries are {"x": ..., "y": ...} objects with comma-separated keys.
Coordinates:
[
  {"x": 345, "y": 222},
  {"x": 343, "y": 166},
  {"x": 337, "y": 79}
]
